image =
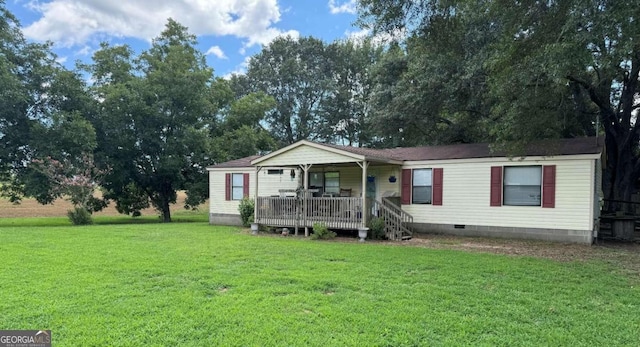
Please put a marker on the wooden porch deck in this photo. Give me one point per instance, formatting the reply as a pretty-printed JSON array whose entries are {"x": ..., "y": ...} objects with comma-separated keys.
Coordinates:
[{"x": 336, "y": 212}]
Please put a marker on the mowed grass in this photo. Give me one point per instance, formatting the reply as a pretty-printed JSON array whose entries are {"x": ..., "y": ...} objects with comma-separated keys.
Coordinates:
[{"x": 193, "y": 284}]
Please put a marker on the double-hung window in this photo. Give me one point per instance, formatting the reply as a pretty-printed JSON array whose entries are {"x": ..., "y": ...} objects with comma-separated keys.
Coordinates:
[
  {"x": 332, "y": 182},
  {"x": 237, "y": 186},
  {"x": 422, "y": 185},
  {"x": 522, "y": 185}
]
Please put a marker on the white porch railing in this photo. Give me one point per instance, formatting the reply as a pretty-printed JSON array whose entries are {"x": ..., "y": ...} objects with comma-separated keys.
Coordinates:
[{"x": 337, "y": 213}]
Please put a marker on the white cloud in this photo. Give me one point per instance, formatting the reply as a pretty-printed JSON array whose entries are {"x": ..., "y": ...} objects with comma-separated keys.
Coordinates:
[
  {"x": 61, "y": 60},
  {"x": 268, "y": 36},
  {"x": 217, "y": 51},
  {"x": 358, "y": 35},
  {"x": 345, "y": 7},
  {"x": 71, "y": 23},
  {"x": 241, "y": 69},
  {"x": 86, "y": 50}
]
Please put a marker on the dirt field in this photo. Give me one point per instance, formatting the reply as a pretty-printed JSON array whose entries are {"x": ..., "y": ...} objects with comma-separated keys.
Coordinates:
[
  {"x": 624, "y": 256},
  {"x": 31, "y": 208}
]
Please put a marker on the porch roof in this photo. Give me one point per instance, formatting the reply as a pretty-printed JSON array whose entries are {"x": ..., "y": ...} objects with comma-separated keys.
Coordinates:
[{"x": 307, "y": 152}]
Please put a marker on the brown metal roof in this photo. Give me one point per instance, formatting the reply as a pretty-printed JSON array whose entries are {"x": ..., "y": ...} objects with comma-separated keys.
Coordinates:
[
  {"x": 367, "y": 152},
  {"x": 583, "y": 145},
  {"x": 242, "y": 162}
]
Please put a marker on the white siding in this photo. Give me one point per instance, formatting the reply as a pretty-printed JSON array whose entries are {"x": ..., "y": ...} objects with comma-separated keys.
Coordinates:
[
  {"x": 268, "y": 185},
  {"x": 466, "y": 194},
  {"x": 306, "y": 155}
]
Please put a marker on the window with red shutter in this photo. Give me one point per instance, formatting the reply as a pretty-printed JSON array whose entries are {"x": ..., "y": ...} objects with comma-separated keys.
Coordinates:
[
  {"x": 521, "y": 185},
  {"x": 227, "y": 186},
  {"x": 496, "y": 186},
  {"x": 549, "y": 186},
  {"x": 437, "y": 186},
  {"x": 405, "y": 193},
  {"x": 245, "y": 186}
]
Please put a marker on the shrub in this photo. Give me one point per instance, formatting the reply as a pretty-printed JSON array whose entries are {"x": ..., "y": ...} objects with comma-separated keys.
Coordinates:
[
  {"x": 376, "y": 228},
  {"x": 80, "y": 216},
  {"x": 321, "y": 232},
  {"x": 246, "y": 208}
]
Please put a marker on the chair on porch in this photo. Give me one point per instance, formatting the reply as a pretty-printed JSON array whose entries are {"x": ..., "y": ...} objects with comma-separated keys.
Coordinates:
[{"x": 345, "y": 193}]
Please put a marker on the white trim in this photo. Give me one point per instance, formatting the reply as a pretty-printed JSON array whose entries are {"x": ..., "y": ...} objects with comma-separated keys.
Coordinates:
[
  {"x": 411, "y": 164},
  {"x": 310, "y": 144},
  {"x": 250, "y": 168}
]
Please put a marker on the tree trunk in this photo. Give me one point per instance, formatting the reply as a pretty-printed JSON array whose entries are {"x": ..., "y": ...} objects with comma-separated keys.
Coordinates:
[
  {"x": 619, "y": 179},
  {"x": 166, "y": 211}
]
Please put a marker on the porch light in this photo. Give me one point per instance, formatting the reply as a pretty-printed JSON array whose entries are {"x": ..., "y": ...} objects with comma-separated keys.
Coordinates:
[{"x": 293, "y": 174}]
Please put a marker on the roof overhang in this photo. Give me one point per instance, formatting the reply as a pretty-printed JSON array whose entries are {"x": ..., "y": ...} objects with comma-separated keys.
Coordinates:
[{"x": 340, "y": 156}]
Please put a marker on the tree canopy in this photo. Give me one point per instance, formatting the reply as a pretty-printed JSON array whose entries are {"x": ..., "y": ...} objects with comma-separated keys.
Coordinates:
[
  {"x": 499, "y": 71},
  {"x": 511, "y": 72},
  {"x": 154, "y": 114}
]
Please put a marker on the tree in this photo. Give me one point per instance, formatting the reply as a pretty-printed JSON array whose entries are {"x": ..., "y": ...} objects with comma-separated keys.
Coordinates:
[
  {"x": 44, "y": 110},
  {"x": 431, "y": 88},
  {"x": 347, "y": 108},
  {"x": 294, "y": 72},
  {"x": 154, "y": 119},
  {"x": 548, "y": 69},
  {"x": 241, "y": 133}
]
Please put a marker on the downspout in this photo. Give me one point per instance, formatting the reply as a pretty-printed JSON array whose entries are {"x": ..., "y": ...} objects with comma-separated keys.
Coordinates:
[{"x": 255, "y": 196}]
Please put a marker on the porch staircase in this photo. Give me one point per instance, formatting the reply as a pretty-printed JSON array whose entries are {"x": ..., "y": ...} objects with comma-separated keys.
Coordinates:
[{"x": 396, "y": 221}]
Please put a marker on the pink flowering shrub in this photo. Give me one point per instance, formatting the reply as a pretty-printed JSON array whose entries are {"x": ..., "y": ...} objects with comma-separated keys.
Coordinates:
[{"x": 77, "y": 182}]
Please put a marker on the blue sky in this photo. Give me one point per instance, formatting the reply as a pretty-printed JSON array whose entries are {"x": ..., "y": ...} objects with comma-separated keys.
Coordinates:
[{"x": 229, "y": 31}]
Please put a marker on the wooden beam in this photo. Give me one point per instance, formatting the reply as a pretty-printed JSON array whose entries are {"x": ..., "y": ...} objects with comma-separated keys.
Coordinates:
[
  {"x": 364, "y": 165},
  {"x": 305, "y": 168}
]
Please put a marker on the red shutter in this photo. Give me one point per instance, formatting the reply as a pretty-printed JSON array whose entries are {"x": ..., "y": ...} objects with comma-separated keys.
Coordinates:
[
  {"x": 245, "y": 185},
  {"x": 227, "y": 186},
  {"x": 549, "y": 186},
  {"x": 437, "y": 186},
  {"x": 496, "y": 186},
  {"x": 405, "y": 193}
]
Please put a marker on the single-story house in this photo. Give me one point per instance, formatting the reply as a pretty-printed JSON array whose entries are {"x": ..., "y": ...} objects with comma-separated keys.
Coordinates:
[{"x": 552, "y": 193}]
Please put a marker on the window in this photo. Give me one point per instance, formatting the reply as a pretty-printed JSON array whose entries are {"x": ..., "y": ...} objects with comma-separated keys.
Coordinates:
[
  {"x": 421, "y": 190},
  {"x": 332, "y": 182},
  {"x": 237, "y": 186},
  {"x": 275, "y": 172},
  {"x": 522, "y": 185}
]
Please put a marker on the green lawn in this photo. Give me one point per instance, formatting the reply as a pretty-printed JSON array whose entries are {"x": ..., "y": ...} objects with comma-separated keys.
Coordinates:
[{"x": 194, "y": 284}]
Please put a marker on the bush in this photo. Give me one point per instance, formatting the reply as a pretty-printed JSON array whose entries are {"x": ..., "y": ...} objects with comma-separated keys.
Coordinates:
[
  {"x": 321, "y": 232},
  {"x": 80, "y": 216},
  {"x": 376, "y": 228},
  {"x": 246, "y": 208}
]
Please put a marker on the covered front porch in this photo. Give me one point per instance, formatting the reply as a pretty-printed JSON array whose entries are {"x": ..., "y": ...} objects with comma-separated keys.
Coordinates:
[
  {"x": 336, "y": 213},
  {"x": 342, "y": 189}
]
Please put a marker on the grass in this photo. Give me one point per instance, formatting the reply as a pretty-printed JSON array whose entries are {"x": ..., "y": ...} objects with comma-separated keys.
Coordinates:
[{"x": 193, "y": 284}]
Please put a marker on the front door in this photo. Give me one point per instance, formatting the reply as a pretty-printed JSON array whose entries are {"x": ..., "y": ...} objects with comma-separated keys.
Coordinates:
[
  {"x": 371, "y": 187},
  {"x": 371, "y": 193}
]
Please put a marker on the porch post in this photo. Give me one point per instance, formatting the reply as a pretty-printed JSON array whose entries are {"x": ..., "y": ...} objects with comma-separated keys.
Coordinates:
[
  {"x": 305, "y": 171},
  {"x": 364, "y": 165},
  {"x": 255, "y": 196}
]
